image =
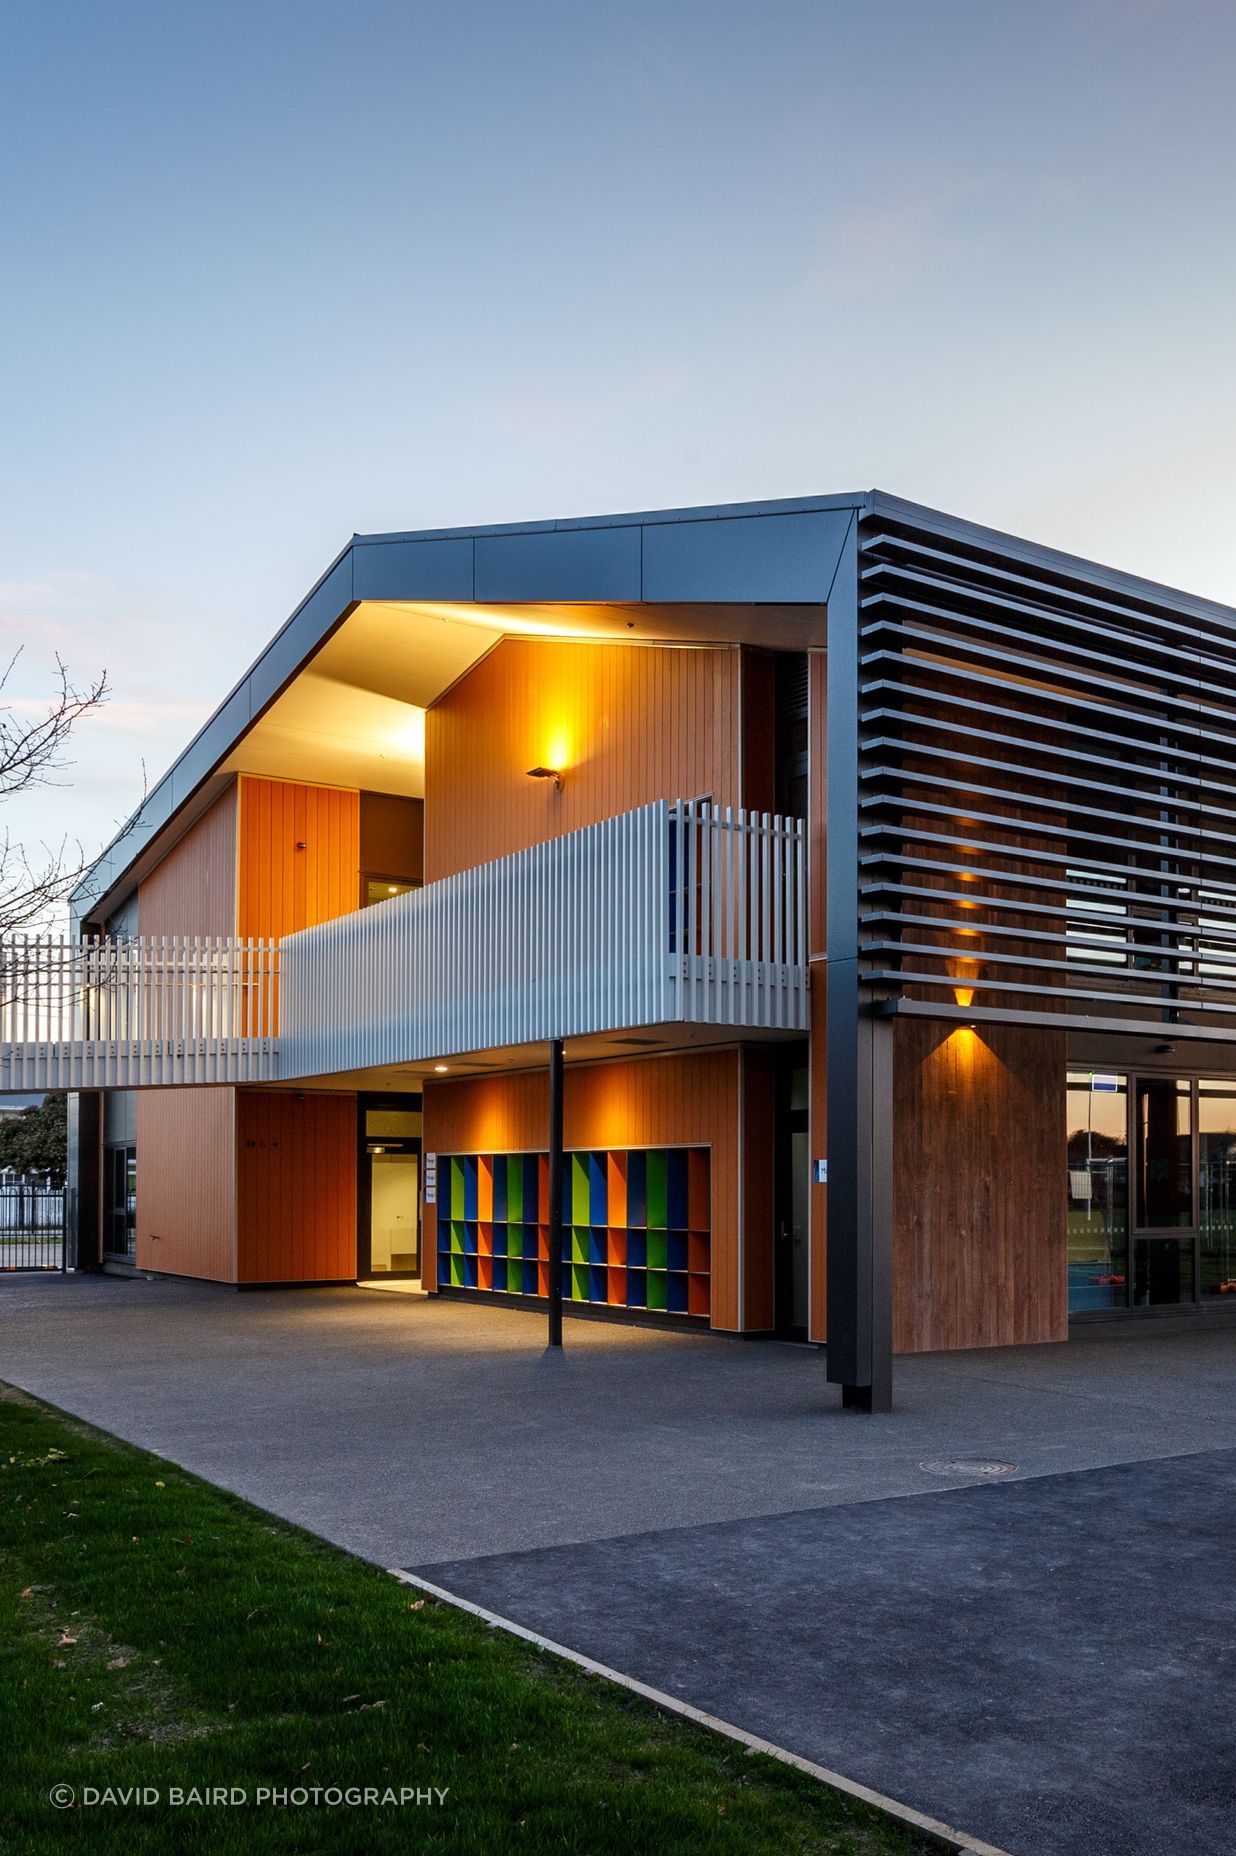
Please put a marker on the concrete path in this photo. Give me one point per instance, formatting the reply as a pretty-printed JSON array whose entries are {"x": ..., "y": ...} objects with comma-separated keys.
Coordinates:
[{"x": 1041, "y": 1660}]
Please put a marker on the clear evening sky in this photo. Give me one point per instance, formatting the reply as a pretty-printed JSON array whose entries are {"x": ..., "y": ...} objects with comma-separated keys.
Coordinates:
[{"x": 276, "y": 272}]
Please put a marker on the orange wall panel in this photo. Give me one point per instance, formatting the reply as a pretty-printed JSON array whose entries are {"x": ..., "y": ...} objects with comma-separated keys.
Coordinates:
[
  {"x": 296, "y": 1187},
  {"x": 281, "y": 887},
  {"x": 628, "y": 725},
  {"x": 186, "y": 1182},
  {"x": 671, "y": 1101},
  {"x": 193, "y": 890}
]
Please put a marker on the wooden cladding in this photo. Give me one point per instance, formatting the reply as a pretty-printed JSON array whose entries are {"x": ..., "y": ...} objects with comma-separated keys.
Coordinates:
[
  {"x": 186, "y": 1182},
  {"x": 299, "y": 855},
  {"x": 656, "y": 1102},
  {"x": 193, "y": 889},
  {"x": 625, "y": 725},
  {"x": 295, "y": 1187},
  {"x": 979, "y": 1255}
]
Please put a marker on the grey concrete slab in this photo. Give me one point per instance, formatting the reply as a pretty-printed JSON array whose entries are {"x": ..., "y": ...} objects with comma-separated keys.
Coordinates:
[
  {"x": 1047, "y": 1663},
  {"x": 412, "y": 1430}
]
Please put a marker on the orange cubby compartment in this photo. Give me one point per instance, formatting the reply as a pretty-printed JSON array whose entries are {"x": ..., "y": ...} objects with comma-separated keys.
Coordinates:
[
  {"x": 617, "y": 1286},
  {"x": 616, "y": 1188},
  {"x": 485, "y": 1240},
  {"x": 698, "y": 1301},
  {"x": 698, "y": 1248},
  {"x": 616, "y": 1250},
  {"x": 542, "y": 1278},
  {"x": 484, "y": 1272},
  {"x": 699, "y": 1208},
  {"x": 542, "y": 1247},
  {"x": 485, "y": 1188}
]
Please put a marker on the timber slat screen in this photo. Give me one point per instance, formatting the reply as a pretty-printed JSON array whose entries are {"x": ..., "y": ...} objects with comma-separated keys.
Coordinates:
[{"x": 1048, "y": 790}]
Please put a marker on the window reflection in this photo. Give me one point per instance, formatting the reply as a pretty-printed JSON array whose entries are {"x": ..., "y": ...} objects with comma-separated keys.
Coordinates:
[{"x": 1098, "y": 1217}]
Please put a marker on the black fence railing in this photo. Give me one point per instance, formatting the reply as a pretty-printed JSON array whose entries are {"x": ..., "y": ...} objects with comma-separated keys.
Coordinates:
[{"x": 32, "y": 1224}]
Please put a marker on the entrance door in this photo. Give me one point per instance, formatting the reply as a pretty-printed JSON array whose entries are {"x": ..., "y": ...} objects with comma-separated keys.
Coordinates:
[
  {"x": 388, "y": 1187},
  {"x": 793, "y": 1175}
]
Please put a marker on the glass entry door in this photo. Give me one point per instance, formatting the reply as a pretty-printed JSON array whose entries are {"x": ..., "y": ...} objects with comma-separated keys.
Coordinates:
[{"x": 388, "y": 1198}]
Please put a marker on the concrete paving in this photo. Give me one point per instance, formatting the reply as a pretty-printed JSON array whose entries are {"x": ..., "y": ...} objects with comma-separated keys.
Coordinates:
[{"x": 1040, "y": 1660}]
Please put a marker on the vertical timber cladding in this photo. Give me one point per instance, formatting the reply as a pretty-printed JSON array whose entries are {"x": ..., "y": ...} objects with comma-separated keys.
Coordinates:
[
  {"x": 625, "y": 724},
  {"x": 653, "y": 1102},
  {"x": 186, "y": 1174},
  {"x": 1047, "y": 806}
]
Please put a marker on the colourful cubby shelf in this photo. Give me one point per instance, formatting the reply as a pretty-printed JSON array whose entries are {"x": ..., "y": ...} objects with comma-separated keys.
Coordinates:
[{"x": 636, "y": 1226}]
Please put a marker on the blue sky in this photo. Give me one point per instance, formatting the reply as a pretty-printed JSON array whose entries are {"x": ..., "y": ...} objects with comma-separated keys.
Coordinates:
[{"x": 276, "y": 272}]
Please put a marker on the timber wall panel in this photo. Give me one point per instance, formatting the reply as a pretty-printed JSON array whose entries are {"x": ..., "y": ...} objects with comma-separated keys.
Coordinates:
[
  {"x": 282, "y": 888},
  {"x": 186, "y": 1182},
  {"x": 979, "y": 1255},
  {"x": 193, "y": 889},
  {"x": 296, "y": 1187},
  {"x": 629, "y": 725},
  {"x": 758, "y": 1187},
  {"x": 186, "y": 1152},
  {"x": 672, "y": 1101}
]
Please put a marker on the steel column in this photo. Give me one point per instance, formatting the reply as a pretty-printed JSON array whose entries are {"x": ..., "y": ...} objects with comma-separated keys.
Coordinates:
[
  {"x": 555, "y": 1192},
  {"x": 860, "y": 1045}
]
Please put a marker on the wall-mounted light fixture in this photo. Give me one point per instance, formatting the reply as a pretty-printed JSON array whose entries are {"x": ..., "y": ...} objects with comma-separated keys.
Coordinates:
[
  {"x": 547, "y": 773},
  {"x": 440, "y": 1068}
]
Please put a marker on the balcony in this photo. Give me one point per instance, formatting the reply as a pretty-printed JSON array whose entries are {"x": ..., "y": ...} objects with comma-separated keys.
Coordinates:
[{"x": 676, "y": 914}]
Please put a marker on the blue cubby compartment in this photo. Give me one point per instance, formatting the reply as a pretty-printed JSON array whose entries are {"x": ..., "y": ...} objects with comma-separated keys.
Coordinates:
[
  {"x": 676, "y": 1294},
  {"x": 469, "y": 1186},
  {"x": 499, "y": 1213},
  {"x": 530, "y": 1252},
  {"x": 598, "y": 1245},
  {"x": 444, "y": 1269},
  {"x": 637, "y": 1190},
  {"x": 598, "y": 1285},
  {"x": 676, "y": 1188},
  {"x": 637, "y": 1288},
  {"x": 469, "y": 1272},
  {"x": 637, "y": 1251},
  {"x": 676, "y": 1250},
  {"x": 499, "y": 1242},
  {"x": 598, "y": 1188},
  {"x": 499, "y": 1272}
]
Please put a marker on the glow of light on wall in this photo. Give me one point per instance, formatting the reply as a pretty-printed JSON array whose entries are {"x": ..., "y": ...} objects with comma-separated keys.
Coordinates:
[
  {"x": 407, "y": 737},
  {"x": 964, "y": 995},
  {"x": 558, "y": 749}
]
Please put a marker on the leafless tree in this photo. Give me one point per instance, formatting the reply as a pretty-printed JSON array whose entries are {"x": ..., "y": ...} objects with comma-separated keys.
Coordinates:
[{"x": 34, "y": 753}]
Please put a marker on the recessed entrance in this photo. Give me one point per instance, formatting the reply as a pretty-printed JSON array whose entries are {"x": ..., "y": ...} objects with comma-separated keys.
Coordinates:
[
  {"x": 792, "y": 1196},
  {"x": 388, "y": 1187}
]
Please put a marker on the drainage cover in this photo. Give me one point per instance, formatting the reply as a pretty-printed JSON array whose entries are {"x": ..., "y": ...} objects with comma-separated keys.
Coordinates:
[{"x": 960, "y": 1466}]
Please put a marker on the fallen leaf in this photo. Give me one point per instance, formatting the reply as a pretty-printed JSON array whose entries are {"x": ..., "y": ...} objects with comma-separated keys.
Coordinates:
[
  {"x": 27, "y": 1591},
  {"x": 160, "y": 1485},
  {"x": 65, "y": 1638},
  {"x": 119, "y": 1662}
]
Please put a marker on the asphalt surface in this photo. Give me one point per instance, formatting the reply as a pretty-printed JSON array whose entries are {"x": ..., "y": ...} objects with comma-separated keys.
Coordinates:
[{"x": 1043, "y": 1660}]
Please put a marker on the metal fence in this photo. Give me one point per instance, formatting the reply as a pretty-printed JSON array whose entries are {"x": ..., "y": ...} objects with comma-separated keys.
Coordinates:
[{"x": 32, "y": 1224}]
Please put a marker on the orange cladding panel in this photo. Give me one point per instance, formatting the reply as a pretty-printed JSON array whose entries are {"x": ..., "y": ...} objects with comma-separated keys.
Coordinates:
[
  {"x": 299, "y": 855},
  {"x": 627, "y": 725},
  {"x": 186, "y": 1182},
  {"x": 296, "y": 1187},
  {"x": 670, "y": 1101}
]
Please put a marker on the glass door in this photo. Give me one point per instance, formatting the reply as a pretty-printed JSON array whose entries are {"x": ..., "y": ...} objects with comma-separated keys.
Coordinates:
[
  {"x": 1165, "y": 1220},
  {"x": 388, "y": 1240},
  {"x": 1216, "y": 1182},
  {"x": 1098, "y": 1201}
]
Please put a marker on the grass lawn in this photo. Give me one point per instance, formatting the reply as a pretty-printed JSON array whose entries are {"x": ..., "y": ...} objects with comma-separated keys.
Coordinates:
[{"x": 159, "y": 1633}]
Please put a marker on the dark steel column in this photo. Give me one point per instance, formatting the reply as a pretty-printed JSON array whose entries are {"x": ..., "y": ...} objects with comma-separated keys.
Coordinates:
[
  {"x": 860, "y": 1054},
  {"x": 555, "y": 1193}
]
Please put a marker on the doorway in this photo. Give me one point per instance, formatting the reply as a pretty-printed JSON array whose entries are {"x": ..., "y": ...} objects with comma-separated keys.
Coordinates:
[
  {"x": 388, "y": 1183},
  {"x": 791, "y": 1192}
]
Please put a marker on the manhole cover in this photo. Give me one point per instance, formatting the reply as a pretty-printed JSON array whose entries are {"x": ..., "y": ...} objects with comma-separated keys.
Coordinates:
[{"x": 961, "y": 1466}]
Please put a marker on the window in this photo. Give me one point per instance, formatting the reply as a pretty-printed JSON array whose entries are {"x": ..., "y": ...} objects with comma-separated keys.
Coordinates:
[{"x": 1093, "y": 900}]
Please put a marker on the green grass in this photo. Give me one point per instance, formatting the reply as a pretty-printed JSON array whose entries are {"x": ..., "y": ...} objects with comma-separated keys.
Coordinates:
[{"x": 158, "y": 1632}]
